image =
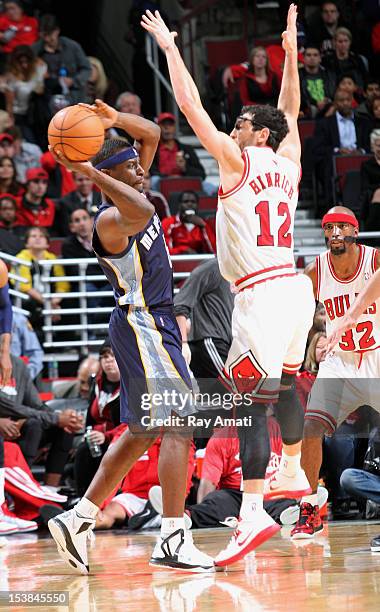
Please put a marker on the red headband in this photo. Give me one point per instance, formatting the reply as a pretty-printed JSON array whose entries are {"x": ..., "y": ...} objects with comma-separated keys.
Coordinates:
[{"x": 340, "y": 218}]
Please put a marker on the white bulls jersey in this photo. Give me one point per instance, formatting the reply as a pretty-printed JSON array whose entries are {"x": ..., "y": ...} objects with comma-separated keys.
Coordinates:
[
  {"x": 255, "y": 219},
  {"x": 337, "y": 295}
]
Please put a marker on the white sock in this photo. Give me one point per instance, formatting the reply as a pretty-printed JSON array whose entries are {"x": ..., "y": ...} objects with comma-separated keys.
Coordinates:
[
  {"x": 86, "y": 508},
  {"x": 2, "y": 477},
  {"x": 251, "y": 503},
  {"x": 169, "y": 525},
  {"x": 290, "y": 464},
  {"x": 310, "y": 499}
]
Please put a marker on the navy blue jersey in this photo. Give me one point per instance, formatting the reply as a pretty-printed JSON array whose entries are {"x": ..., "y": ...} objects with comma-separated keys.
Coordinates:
[{"x": 142, "y": 274}]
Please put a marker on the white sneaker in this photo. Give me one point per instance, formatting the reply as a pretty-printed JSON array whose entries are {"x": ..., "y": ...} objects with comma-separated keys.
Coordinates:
[
  {"x": 7, "y": 528},
  {"x": 290, "y": 515},
  {"x": 22, "y": 525},
  {"x": 177, "y": 551},
  {"x": 290, "y": 487},
  {"x": 71, "y": 531},
  {"x": 247, "y": 536},
  {"x": 155, "y": 498}
]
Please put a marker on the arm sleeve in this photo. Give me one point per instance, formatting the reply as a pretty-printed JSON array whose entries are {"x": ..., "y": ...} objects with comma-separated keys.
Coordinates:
[
  {"x": 212, "y": 468},
  {"x": 238, "y": 70},
  {"x": 5, "y": 311}
]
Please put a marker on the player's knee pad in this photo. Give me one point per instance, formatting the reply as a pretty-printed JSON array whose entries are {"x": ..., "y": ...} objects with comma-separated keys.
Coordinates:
[
  {"x": 289, "y": 411},
  {"x": 254, "y": 441}
]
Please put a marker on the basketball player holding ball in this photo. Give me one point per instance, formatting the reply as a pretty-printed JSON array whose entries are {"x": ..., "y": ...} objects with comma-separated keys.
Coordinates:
[
  {"x": 259, "y": 165},
  {"x": 130, "y": 246}
]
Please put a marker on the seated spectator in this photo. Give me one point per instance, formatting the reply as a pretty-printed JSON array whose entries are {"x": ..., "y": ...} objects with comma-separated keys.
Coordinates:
[
  {"x": 16, "y": 28},
  {"x": 174, "y": 158},
  {"x": 258, "y": 84},
  {"x": 371, "y": 90},
  {"x": 25, "y": 77},
  {"x": 25, "y": 343},
  {"x": 323, "y": 27},
  {"x": 317, "y": 84},
  {"x": 25, "y": 154},
  {"x": 36, "y": 424},
  {"x": 83, "y": 197},
  {"x": 128, "y": 102},
  {"x": 341, "y": 61},
  {"x": 341, "y": 134},
  {"x": 156, "y": 198},
  {"x": 9, "y": 230},
  {"x": 347, "y": 84},
  {"x": 8, "y": 181},
  {"x": 68, "y": 67},
  {"x": 78, "y": 388},
  {"x": 61, "y": 181},
  {"x": 34, "y": 208},
  {"x": 375, "y": 113},
  {"x": 36, "y": 249},
  {"x": 99, "y": 85},
  {"x": 364, "y": 484},
  {"x": 370, "y": 186},
  {"x": 186, "y": 232},
  {"x": 103, "y": 416}
]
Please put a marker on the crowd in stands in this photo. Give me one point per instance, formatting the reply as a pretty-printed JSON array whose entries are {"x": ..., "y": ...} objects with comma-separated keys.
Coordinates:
[{"x": 41, "y": 71}]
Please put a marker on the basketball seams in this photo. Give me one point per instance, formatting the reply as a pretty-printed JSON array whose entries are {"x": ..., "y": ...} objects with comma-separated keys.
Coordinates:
[
  {"x": 69, "y": 134},
  {"x": 69, "y": 127}
]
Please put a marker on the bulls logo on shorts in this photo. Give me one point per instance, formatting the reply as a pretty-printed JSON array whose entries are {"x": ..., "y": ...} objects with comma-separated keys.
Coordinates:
[{"x": 246, "y": 373}]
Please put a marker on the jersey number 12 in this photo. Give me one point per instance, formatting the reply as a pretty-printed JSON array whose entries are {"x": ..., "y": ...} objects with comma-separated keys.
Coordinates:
[{"x": 265, "y": 238}]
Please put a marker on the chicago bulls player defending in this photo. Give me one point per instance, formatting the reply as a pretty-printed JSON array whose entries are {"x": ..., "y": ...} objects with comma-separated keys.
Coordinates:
[
  {"x": 342, "y": 384},
  {"x": 259, "y": 166}
]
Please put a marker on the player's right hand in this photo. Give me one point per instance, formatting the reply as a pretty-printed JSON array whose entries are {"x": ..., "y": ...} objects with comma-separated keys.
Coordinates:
[
  {"x": 346, "y": 324},
  {"x": 289, "y": 37},
  {"x": 186, "y": 352},
  {"x": 107, "y": 114}
]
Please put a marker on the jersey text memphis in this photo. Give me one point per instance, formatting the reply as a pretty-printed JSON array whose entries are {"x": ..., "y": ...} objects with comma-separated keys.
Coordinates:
[
  {"x": 142, "y": 274},
  {"x": 337, "y": 295},
  {"x": 255, "y": 219}
]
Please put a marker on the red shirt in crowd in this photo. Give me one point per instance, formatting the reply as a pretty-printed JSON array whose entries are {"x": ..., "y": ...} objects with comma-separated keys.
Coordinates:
[
  {"x": 49, "y": 164},
  {"x": 167, "y": 160},
  {"x": 43, "y": 216},
  {"x": 180, "y": 236},
  {"x": 221, "y": 464},
  {"x": 26, "y": 31}
]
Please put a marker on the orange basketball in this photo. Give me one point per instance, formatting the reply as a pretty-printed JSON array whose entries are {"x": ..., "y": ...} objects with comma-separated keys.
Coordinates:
[
  {"x": 3, "y": 274},
  {"x": 77, "y": 132}
]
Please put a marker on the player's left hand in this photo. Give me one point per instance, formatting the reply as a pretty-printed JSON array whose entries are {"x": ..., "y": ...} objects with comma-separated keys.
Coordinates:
[
  {"x": 155, "y": 25},
  {"x": 107, "y": 115},
  {"x": 346, "y": 324},
  {"x": 81, "y": 167},
  {"x": 289, "y": 37}
]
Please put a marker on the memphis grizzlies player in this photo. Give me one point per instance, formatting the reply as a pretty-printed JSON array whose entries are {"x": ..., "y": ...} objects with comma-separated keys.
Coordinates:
[{"x": 129, "y": 244}]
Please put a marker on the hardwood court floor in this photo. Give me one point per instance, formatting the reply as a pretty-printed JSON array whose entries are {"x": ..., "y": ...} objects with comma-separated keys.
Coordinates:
[{"x": 336, "y": 571}]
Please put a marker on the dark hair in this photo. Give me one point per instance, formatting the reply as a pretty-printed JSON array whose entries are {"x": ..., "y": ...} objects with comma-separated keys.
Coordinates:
[
  {"x": 105, "y": 347},
  {"x": 14, "y": 58},
  {"x": 272, "y": 118},
  {"x": 42, "y": 229},
  {"x": 14, "y": 187},
  {"x": 312, "y": 45},
  {"x": 375, "y": 99},
  {"x": 346, "y": 76},
  {"x": 194, "y": 193},
  {"x": 110, "y": 147},
  {"x": 48, "y": 23},
  {"x": 370, "y": 81}
]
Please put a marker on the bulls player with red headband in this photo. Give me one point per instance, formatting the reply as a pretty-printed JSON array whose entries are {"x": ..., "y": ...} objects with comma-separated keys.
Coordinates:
[
  {"x": 259, "y": 165},
  {"x": 342, "y": 384}
]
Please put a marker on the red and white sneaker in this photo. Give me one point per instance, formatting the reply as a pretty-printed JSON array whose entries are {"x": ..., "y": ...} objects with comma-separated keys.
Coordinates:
[
  {"x": 22, "y": 525},
  {"x": 7, "y": 529},
  {"x": 247, "y": 536},
  {"x": 308, "y": 524},
  {"x": 280, "y": 486}
]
